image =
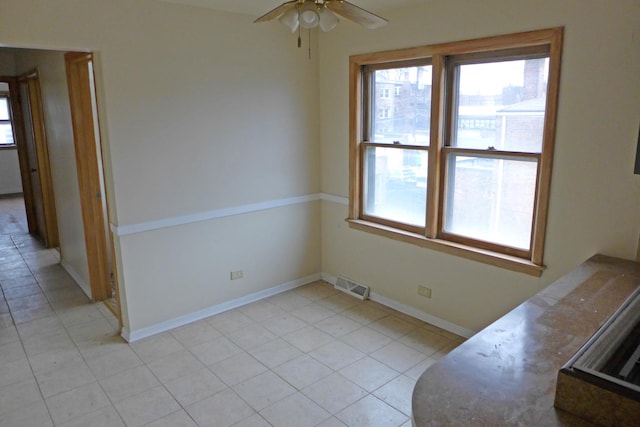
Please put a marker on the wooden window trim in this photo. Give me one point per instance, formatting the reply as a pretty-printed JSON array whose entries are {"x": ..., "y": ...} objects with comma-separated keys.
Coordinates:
[{"x": 547, "y": 41}]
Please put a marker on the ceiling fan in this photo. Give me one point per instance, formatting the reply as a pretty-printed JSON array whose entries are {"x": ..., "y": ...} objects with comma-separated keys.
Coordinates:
[{"x": 321, "y": 13}]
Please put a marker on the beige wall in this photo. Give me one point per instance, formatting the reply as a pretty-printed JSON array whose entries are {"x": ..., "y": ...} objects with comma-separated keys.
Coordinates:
[
  {"x": 9, "y": 172},
  {"x": 595, "y": 198},
  {"x": 201, "y": 111},
  {"x": 57, "y": 116}
]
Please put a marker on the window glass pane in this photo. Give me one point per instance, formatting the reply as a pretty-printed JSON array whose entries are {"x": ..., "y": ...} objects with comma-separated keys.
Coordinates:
[
  {"x": 501, "y": 105},
  {"x": 4, "y": 109},
  {"x": 395, "y": 184},
  {"x": 401, "y": 105},
  {"x": 491, "y": 199},
  {"x": 6, "y": 134}
]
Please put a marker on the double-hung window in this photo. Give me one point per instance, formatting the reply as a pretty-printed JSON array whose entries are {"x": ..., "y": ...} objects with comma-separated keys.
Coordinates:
[{"x": 464, "y": 163}]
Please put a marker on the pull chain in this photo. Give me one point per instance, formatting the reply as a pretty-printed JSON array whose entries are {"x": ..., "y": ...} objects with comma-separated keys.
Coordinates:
[
  {"x": 299, "y": 39},
  {"x": 309, "y": 44}
]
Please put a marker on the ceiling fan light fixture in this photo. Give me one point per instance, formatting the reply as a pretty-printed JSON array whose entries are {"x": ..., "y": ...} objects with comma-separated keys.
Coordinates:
[
  {"x": 309, "y": 16},
  {"x": 290, "y": 19},
  {"x": 328, "y": 20}
]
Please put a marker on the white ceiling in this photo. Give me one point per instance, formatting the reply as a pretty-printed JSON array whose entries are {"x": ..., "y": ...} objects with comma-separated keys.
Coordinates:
[{"x": 260, "y": 7}]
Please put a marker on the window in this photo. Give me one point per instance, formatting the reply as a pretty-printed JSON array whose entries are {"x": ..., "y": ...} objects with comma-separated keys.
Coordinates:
[
  {"x": 464, "y": 163},
  {"x": 6, "y": 126}
]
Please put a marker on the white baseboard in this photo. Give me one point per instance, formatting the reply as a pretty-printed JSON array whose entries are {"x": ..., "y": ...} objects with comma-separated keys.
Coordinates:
[
  {"x": 412, "y": 311},
  {"x": 167, "y": 325},
  {"x": 86, "y": 288}
]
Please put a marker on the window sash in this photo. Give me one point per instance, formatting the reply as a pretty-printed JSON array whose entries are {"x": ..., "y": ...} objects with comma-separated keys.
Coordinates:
[{"x": 443, "y": 58}]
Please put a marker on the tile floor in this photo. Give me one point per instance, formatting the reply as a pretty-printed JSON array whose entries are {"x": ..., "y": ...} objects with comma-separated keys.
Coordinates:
[{"x": 308, "y": 357}]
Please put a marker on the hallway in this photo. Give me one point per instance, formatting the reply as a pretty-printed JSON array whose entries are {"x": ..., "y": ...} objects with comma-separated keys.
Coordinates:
[{"x": 49, "y": 329}]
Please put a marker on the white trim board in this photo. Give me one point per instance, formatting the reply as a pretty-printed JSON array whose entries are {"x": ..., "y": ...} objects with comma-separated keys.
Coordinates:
[
  {"x": 412, "y": 311},
  {"x": 141, "y": 227},
  {"x": 167, "y": 325}
]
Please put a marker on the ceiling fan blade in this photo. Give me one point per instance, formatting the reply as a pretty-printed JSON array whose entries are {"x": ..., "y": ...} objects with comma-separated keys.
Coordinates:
[
  {"x": 277, "y": 12},
  {"x": 355, "y": 13}
]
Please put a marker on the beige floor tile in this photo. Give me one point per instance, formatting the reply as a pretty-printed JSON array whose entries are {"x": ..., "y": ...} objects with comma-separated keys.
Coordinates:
[
  {"x": 289, "y": 301},
  {"x": 177, "y": 419},
  {"x": 366, "y": 339},
  {"x": 397, "y": 393},
  {"x": 284, "y": 324},
  {"x": 336, "y": 355},
  {"x": 393, "y": 326},
  {"x": 418, "y": 370},
  {"x": 9, "y": 335},
  {"x": 264, "y": 390},
  {"x": 35, "y": 414},
  {"x": 194, "y": 386},
  {"x": 54, "y": 341},
  {"x": 297, "y": 409},
  {"x": 120, "y": 359},
  {"x": 12, "y": 352},
  {"x": 261, "y": 310},
  {"x": 339, "y": 302},
  {"x": 365, "y": 313},
  {"x": 175, "y": 365},
  {"x": 230, "y": 321},
  {"x": 275, "y": 353},
  {"x": 195, "y": 333},
  {"x": 371, "y": 412},
  {"x": 332, "y": 422},
  {"x": 156, "y": 347},
  {"x": 302, "y": 371},
  {"x": 103, "y": 417},
  {"x": 215, "y": 351},
  {"x": 18, "y": 395},
  {"x": 22, "y": 291},
  {"x": 338, "y": 325},
  {"x": 369, "y": 374},
  {"x": 146, "y": 407},
  {"x": 66, "y": 406},
  {"x": 29, "y": 314},
  {"x": 15, "y": 372},
  {"x": 334, "y": 393},
  {"x": 251, "y": 337},
  {"x": 65, "y": 376},
  {"x": 316, "y": 291},
  {"x": 128, "y": 383},
  {"x": 40, "y": 327},
  {"x": 398, "y": 356},
  {"x": 425, "y": 341},
  {"x": 237, "y": 369},
  {"x": 254, "y": 420},
  {"x": 312, "y": 313},
  {"x": 220, "y": 410},
  {"x": 308, "y": 338}
]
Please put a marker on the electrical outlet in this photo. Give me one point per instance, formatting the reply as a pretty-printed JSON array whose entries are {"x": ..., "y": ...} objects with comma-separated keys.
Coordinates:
[
  {"x": 235, "y": 275},
  {"x": 424, "y": 291}
]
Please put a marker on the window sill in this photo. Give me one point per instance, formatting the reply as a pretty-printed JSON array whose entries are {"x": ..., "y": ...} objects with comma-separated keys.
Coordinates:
[
  {"x": 480, "y": 255},
  {"x": 8, "y": 147}
]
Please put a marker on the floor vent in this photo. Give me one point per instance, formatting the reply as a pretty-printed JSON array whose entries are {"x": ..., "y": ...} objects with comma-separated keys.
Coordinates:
[{"x": 352, "y": 288}]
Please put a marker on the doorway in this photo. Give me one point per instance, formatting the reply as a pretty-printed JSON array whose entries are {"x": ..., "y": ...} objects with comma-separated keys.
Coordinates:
[{"x": 35, "y": 168}]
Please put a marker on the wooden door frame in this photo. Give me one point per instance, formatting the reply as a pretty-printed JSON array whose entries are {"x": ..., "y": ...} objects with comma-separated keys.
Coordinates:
[
  {"x": 98, "y": 241},
  {"x": 50, "y": 233}
]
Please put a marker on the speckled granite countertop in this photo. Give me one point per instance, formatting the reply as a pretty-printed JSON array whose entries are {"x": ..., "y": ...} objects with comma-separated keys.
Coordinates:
[{"x": 506, "y": 374}]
